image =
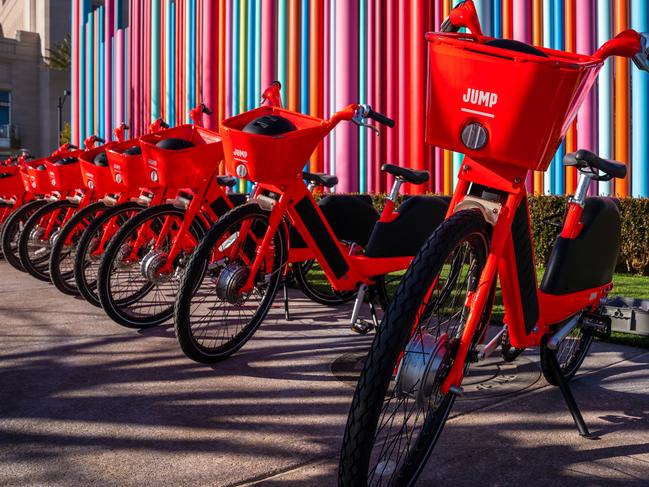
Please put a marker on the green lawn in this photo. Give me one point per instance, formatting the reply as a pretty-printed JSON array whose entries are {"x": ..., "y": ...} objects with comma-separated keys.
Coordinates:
[{"x": 626, "y": 285}]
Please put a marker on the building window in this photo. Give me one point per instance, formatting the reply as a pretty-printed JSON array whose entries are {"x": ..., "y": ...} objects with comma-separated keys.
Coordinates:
[{"x": 5, "y": 107}]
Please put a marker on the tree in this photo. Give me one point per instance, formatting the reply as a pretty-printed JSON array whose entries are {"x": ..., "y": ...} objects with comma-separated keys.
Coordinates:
[{"x": 59, "y": 55}]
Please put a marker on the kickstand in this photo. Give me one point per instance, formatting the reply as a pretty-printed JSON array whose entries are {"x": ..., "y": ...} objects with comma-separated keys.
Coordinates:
[
  {"x": 373, "y": 308},
  {"x": 287, "y": 314},
  {"x": 567, "y": 393}
]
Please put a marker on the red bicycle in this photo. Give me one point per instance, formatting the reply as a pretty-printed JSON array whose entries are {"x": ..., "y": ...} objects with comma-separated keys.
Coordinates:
[
  {"x": 68, "y": 195},
  {"x": 233, "y": 276},
  {"x": 36, "y": 191},
  {"x": 142, "y": 264},
  {"x": 432, "y": 331},
  {"x": 113, "y": 195},
  {"x": 129, "y": 172}
]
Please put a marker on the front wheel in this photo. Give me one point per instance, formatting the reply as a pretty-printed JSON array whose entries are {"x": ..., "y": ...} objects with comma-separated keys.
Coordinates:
[
  {"x": 12, "y": 229},
  {"x": 398, "y": 410},
  {"x": 92, "y": 244},
  {"x": 64, "y": 249},
  {"x": 214, "y": 315},
  {"x": 39, "y": 235}
]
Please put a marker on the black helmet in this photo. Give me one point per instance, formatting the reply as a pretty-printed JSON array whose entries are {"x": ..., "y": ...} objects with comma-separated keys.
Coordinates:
[
  {"x": 41, "y": 167},
  {"x": 136, "y": 150},
  {"x": 101, "y": 159},
  {"x": 174, "y": 144},
  {"x": 518, "y": 46},
  {"x": 66, "y": 160},
  {"x": 270, "y": 125}
]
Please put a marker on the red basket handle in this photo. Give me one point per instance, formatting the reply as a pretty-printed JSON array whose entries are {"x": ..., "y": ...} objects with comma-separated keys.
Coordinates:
[
  {"x": 463, "y": 15},
  {"x": 272, "y": 95},
  {"x": 119, "y": 132},
  {"x": 627, "y": 43}
]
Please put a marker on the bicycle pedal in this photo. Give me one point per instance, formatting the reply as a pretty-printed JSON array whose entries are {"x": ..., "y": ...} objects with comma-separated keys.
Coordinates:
[
  {"x": 598, "y": 325},
  {"x": 362, "y": 327}
]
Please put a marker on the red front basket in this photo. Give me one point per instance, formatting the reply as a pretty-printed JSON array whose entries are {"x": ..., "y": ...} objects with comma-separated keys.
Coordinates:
[
  {"x": 183, "y": 168},
  {"x": 65, "y": 177},
  {"x": 36, "y": 181},
  {"x": 10, "y": 181},
  {"x": 268, "y": 159},
  {"x": 98, "y": 178},
  {"x": 129, "y": 170},
  {"x": 526, "y": 102}
]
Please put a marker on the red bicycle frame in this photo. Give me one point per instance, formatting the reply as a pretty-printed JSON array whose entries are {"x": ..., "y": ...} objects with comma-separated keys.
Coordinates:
[{"x": 529, "y": 318}]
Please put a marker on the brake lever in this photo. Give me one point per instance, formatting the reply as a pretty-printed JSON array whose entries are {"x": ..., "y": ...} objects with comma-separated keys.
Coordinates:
[
  {"x": 641, "y": 59},
  {"x": 359, "y": 120}
]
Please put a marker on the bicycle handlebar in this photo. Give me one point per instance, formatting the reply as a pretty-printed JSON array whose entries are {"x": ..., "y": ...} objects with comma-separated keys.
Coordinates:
[{"x": 377, "y": 117}]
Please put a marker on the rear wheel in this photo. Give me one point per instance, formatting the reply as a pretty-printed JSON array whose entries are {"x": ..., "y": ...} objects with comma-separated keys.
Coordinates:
[
  {"x": 136, "y": 287},
  {"x": 213, "y": 317},
  {"x": 314, "y": 284},
  {"x": 571, "y": 353},
  {"x": 12, "y": 229},
  {"x": 92, "y": 244},
  {"x": 64, "y": 250},
  {"x": 39, "y": 235},
  {"x": 396, "y": 418}
]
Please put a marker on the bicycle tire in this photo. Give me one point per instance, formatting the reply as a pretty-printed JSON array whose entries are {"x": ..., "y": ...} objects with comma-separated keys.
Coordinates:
[
  {"x": 65, "y": 281},
  {"x": 38, "y": 267},
  {"x": 570, "y": 359},
  {"x": 192, "y": 281},
  {"x": 86, "y": 284},
  {"x": 12, "y": 229},
  {"x": 314, "y": 292},
  {"x": 389, "y": 344}
]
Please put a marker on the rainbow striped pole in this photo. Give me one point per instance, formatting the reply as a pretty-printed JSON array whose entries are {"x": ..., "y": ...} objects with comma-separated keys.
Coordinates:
[
  {"x": 639, "y": 109},
  {"x": 210, "y": 61},
  {"x": 586, "y": 37},
  {"x": 269, "y": 47},
  {"x": 346, "y": 63},
  {"x": 155, "y": 60},
  {"x": 192, "y": 67},
  {"x": 548, "y": 176},
  {"x": 109, "y": 27},
  {"x": 90, "y": 71},
  {"x": 557, "y": 43},
  {"x": 605, "y": 91},
  {"x": 522, "y": 31},
  {"x": 332, "y": 82},
  {"x": 362, "y": 94}
]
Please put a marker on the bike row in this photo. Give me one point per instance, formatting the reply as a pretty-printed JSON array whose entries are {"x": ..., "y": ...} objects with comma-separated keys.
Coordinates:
[{"x": 150, "y": 230}]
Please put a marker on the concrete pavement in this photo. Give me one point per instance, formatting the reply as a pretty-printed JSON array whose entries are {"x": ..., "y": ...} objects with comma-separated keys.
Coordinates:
[{"x": 86, "y": 402}]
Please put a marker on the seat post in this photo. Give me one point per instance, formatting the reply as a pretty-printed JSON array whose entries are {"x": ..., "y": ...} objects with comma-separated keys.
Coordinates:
[
  {"x": 396, "y": 187},
  {"x": 581, "y": 192}
]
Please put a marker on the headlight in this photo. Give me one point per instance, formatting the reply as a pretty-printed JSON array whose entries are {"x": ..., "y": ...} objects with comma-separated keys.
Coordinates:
[{"x": 474, "y": 136}]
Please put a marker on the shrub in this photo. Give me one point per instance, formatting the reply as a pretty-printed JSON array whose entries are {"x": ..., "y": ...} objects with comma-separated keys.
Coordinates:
[{"x": 634, "y": 250}]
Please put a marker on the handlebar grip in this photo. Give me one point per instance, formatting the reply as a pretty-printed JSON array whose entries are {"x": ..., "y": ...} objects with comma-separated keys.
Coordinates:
[
  {"x": 380, "y": 118},
  {"x": 206, "y": 110},
  {"x": 72, "y": 146},
  {"x": 164, "y": 124},
  {"x": 447, "y": 26},
  {"x": 100, "y": 140}
]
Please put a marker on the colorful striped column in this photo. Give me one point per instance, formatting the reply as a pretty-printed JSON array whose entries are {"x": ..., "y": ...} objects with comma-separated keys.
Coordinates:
[
  {"x": 639, "y": 109},
  {"x": 346, "y": 20}
]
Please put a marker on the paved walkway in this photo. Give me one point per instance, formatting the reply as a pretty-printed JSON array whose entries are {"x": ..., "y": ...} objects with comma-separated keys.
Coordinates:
[{"x": 83, "y": 401}]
